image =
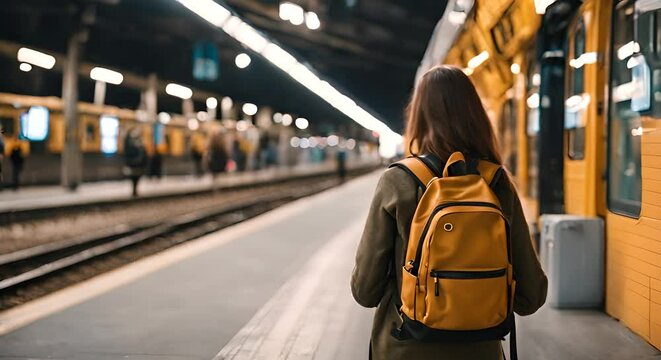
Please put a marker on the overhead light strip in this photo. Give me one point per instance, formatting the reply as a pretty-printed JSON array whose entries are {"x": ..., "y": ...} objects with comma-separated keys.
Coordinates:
[{"x": 222, "y": 17}]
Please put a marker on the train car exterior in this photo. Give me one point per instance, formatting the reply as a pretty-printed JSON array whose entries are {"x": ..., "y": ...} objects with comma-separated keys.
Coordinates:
[{"x": 576, "y": 95}]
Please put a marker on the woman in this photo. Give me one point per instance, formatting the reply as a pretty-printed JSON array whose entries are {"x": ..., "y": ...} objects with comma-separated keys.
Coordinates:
[
  {"x": 135, "y": 157},
  {"x": 445, "y": 115},
  {"x": 217, "y": 155}
]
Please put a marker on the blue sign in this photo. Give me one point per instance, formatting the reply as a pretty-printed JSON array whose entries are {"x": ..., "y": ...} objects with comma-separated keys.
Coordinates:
[{"x": 205, "y": 61}]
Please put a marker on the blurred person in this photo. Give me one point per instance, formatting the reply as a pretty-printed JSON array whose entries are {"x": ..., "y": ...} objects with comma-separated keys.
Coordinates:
[
  {"x": 2, "y": 156},
  {"x": 217, "y": 155},
  {"x": 197, "y": 154},
  {"x": 17, "y": 161},
  {"x": 341, "y": 158},
  {"x": 447, "y": 123},
  {"x": 156, "y": 165},
  {"x": 135, "y": 156},
  {"x": 239, "y": 155}
]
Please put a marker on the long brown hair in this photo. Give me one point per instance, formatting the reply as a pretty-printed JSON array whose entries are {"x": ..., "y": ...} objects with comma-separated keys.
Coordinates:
[{"x": 446, "y": 115}]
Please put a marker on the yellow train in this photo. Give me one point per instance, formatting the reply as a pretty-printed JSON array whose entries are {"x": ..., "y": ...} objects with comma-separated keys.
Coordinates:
[{"x": 597, "y": 65}]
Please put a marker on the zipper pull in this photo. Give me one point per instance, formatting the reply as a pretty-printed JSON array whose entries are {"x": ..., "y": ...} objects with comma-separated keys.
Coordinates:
[{"x": 437, "y": 289}]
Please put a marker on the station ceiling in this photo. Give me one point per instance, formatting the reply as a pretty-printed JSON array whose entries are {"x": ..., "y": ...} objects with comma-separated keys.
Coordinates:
[{"x": 370, "y": 50}]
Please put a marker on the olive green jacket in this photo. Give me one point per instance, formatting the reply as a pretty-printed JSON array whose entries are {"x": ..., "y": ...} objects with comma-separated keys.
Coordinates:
[{"x": 377, "y": 275}]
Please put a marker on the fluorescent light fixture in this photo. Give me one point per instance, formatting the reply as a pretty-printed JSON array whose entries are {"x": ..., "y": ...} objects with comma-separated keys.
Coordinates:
[
  {"x": 292, "y": 12},
  {"x": 226, "y": 103},
  {"x": 533, "y": 101},
  {"x": 541, "y": 5},
  {"x": 249, "y": 109},
  {"x": 286, "y": 10},
  {"x": 478, "y": 59},
  {"x": 193, "y": 124},
  {"x": 468, "y": 71},
  {"x": 179, "y": 91},
  {"x": 242, "y": 125},
  {"x": 583, "y": 59},
  {"x": 242, "y": 60},
  {"x": 35, "y": 57},
  {"x": 302, "y": 123},
  {"x": 212, "y": 103},
  {"x": 295, "y": 142},
  {"x": 106, "y": 75},
  {"x": 306, "y": 77},
  {"x": 627, "y": 50},
  {"x": 164, "y": 117},
  {"x": 536, "y": 79},
  {"x": 632, "y": 63},
  {"x": 312, "y": 20},
  {"x": 515, "y": 69},
  {"x": 333, "y": 140},
  {"x": 248, "y": 36},
  {"x": 279, "y": 57},
  {"x": 209, "y": 10},
  {"x": 231, "y": 25},
  {"x": 25, "y": 67},
  {"x": 287, "y": 119}
]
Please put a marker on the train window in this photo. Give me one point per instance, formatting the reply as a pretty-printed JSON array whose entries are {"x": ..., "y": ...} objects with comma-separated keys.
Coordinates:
[
  {"x": 624, "y": 152},
  {"x": 577, "y": 100},
  {"x": 7, "y": 125}
]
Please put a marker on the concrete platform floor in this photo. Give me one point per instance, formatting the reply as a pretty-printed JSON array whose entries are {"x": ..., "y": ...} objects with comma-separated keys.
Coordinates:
[{"x": 274, "y": 287}]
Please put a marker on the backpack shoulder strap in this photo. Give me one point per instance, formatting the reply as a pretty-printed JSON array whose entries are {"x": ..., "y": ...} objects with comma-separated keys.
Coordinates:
[
  {"x": 417, "y": 168},
  {"x": 491, "y": 172}
]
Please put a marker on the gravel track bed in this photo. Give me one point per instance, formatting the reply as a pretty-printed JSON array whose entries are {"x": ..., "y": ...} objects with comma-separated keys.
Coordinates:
[{"x": 27, "y": 234}]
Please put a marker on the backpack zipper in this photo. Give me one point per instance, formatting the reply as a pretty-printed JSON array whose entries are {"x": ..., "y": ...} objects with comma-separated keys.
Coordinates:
[
  {"x": 463, "y": 275},
  {"x": 416, "y": 263}
]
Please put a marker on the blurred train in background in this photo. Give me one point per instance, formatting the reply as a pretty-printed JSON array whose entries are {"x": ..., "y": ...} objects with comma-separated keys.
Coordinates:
[
  {"x": 36, "y": 126},
  {"x": 597, "y": 65}
]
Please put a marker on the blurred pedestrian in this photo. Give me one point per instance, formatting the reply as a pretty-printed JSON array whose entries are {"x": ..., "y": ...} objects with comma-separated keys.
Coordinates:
[
  {"x": 2, "y": 155},
  {"x": 342, "y": 164},
  {"x": 217, "y": 155},
  {"x": 197, "y": 154},
  {"x": 17, "y": 161},
  {"x": 156, "y": 165},
  {"x": 135, "y": 156}
]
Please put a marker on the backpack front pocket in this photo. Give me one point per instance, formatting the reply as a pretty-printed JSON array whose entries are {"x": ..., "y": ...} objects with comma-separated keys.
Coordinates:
[{"x": 466, "y": 299}]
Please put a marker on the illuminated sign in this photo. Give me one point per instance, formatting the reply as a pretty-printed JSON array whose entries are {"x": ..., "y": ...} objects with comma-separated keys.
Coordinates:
[
  {"x": 34, "y": 124},
  {"x": 109, "y": 134}
]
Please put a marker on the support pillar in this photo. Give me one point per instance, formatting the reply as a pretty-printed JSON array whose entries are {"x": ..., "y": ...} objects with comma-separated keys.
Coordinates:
[{"x": 72, "y": 160}]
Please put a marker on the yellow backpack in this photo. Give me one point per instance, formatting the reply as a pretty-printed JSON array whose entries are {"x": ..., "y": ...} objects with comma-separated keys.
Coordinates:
[{"x": 458, "y": 283}]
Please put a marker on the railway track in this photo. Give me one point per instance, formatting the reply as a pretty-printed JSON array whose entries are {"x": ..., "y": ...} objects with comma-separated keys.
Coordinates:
[{"x": 31, "y": 267}]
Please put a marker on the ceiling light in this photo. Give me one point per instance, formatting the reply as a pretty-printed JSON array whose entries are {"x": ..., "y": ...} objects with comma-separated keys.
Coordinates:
[
  {"x": 333, "y": 140},
  {"x": 226, "y": 103},
  {"x": 533, "y": 101},
  {"x": 248, "y": 36},
  {"x": 302, "y": 123},
  {"x": 35, "y": 57},
  {"x": 242, "y": 60},
  {"x": 193, "y": 124},
  {"x": 277, "y": 118},
  {"x": 312, "y": 20},
  {"x": 627, "y": 50},
  {"x": 286, "y": 9},
  {"x": 515, "y": 69},
  {"x": 305, "y": 143},
  {"x": 106, "y": 75},
  {"x": 287, "y": 119},
  {"x": 478, "y": 59},
  {"x": 295, "y": 142},
  {"x": 279, "y": 57},
  {"x": 468, "y": 71},
  {"x": 209, "y": 10},
  {"x": 25, "y": 67},
  {"x": 212, "y": 103},
  {"x": 164, "y": 117},
  {"x": 249, "y": 109},
  {"x": 536, "y": 79},
  {"x": 179, "y": 91}
]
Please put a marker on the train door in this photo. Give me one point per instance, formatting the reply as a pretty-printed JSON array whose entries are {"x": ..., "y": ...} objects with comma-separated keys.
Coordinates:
[
  {"x": 634, "y": 169},
  {"x": 584, "y": 166}
]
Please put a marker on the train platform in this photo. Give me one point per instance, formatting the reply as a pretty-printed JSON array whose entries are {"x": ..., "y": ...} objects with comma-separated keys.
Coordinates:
[
  {"x": 272, "y": 287},
  {"x": 44, "y": 197}
]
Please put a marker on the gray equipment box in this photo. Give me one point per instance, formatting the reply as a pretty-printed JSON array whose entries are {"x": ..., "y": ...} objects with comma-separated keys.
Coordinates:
[{"x": 572, "y": 255}]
